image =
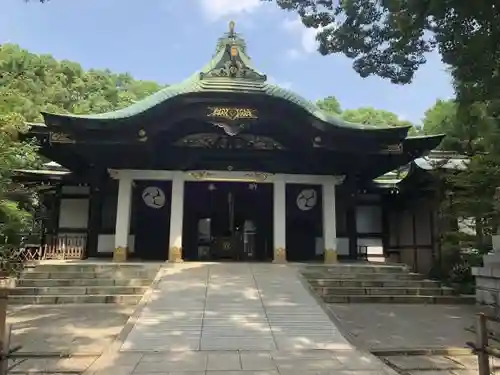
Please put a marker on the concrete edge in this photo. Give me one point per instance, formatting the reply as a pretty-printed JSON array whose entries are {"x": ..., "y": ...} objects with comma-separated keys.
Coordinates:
[
  {"x": 132, "y": 320},
  {"x": 441, "y": 351},
  {"x": 332, "y": 316},
  {"x": 48, "y": 355}
]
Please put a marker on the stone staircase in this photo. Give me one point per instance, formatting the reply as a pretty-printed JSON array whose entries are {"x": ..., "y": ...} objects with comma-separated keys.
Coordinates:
[
  {"x": 374, "y": 283},
  {"x": 76, "y": 283}
]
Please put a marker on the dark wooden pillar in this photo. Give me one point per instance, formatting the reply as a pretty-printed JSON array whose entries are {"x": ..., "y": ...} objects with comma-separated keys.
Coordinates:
[
  {"x": 414, "y": 238},
  {"x": 351, "y": 222},
  {"x": 95, "y": 214},
  {"x": 386, "y": 226},
  {"x": 56, "y": 213},
  {"x": 94, "y": 221}
]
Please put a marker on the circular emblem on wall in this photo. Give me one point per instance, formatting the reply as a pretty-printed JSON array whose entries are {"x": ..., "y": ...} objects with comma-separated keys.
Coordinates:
[
  {"x": 153, "y": 197},
  {"x": 307, "y": 199}
]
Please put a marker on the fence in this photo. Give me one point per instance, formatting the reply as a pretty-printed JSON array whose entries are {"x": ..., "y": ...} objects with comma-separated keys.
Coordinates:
[
  {"x": 59, "y": 247},
  {"x": 481, "y": 347},
  {"x": 64, "y": 247}
]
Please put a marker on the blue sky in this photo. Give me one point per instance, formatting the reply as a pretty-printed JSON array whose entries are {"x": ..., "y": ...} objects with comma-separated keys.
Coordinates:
[{"x": 167, "y": 40}]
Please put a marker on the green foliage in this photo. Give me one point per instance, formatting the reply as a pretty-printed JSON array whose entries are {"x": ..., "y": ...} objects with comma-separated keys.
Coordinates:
[
  {"x": 29, "y": 84},
  {"x": 14, "y": 154},
  {"x": 364, "y": 115},
  {"x": 390, "y": 38},
  {"x": 32, "y": 83},
  {"x": 469, "y": 130},
  {"x": 330, "y": 105}
]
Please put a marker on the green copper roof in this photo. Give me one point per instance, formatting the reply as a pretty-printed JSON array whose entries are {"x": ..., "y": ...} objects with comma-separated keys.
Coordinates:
[{"x": 229, "y": 71}]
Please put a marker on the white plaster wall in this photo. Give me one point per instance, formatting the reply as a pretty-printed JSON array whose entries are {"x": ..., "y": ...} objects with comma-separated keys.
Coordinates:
[
  {"x": 74, "y": 213},
  {"x": 106, "y": 243},
  {"x": 369, "y": 219},
  {"x": 342, "y": 246}
]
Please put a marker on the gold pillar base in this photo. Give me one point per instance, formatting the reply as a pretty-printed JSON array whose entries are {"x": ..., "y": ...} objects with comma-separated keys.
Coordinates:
[
  {"x": 120, "y": 254},
  {"x": 279, "y": 255},
  {"x": 331, "y": 256},
  {"x": 175, "y": 255}
]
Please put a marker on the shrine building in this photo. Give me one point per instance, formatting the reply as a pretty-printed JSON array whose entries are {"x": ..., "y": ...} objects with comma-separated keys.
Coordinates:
[{"x": 226, "y": 165}]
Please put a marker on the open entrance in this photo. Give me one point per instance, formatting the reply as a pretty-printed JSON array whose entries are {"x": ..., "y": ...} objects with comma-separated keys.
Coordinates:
[{"x": 228, "y": 221}]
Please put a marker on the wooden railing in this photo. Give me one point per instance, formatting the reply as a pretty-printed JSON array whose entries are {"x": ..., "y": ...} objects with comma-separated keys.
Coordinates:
[
  {"x": 56, "y": 247},
  {"x": 482, "y": 347},
  {"x": 64, "y": 247}
]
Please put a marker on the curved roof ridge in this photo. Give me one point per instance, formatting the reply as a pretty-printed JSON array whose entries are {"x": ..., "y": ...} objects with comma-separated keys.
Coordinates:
[{"x": 313, "y": 109}]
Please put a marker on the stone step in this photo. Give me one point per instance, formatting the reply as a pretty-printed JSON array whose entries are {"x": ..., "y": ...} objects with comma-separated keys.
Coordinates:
[
  {"x": 27, "y": 282},
  {"x": 363, "y": 276},
  {"x": 74, "y": 299},
  {"x": 444, "y": 300},
  {"x": 89, "y": 275},
  {"x": 96, "y": 268},
  {"x": 82, "y": 290},
  {"x": 374, "y": 283},
  {"x": 326, "y": 292},
  {"x": 357, "y": 268}
]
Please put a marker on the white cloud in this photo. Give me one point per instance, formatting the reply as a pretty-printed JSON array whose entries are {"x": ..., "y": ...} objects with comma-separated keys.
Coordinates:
[
  {"x": 216, "y": 9},
  {"x": 307, "y": 36},
  {"x": 294, "y": 54}
]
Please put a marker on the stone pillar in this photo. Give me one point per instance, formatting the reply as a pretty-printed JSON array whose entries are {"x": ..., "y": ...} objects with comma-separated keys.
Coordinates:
[
  {"x": 122, "y": 230},
  {"x": 329, "y": 223},
  {"x": 176, "y": 219},
  {"x": 488, "y": 276},
  {"x": 279, "y": 214}
]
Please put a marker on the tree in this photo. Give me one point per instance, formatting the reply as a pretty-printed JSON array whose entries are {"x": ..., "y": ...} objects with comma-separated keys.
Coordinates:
[
  {"x": 377, "y": 117},
  {"x": 330, "y": 104},
  {"x": 30, "y": 83},
  {"x": 34, "y": 83},
  {"x": 391, "y": 38},
  {"x": 372, "y": 116},
  {"x": 364, "y": 115},
  {"x": 467, "y": 134},
  {"x": 14, "y": 154},
  {"x": 465, "y": 196}
]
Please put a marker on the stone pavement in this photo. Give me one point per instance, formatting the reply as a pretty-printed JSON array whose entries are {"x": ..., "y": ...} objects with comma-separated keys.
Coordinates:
[
  {"x": 406, "y": 328},
  {"x": 234, "y": 319},
  {"x": 393, "y": 326},
  {"x": 84, "y": 330}
]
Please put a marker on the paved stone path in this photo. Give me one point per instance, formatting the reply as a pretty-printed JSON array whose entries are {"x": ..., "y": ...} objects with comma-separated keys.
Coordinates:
[
  {"x": 233, "y": 307},
  {"x": 232, "y": 319}
]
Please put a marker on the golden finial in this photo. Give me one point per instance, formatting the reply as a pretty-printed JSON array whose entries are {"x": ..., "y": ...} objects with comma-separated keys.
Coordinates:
[{"x": 231, "y": 27}]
